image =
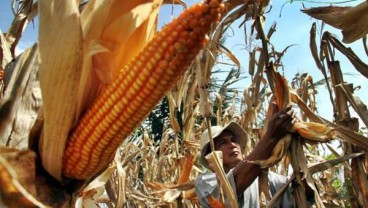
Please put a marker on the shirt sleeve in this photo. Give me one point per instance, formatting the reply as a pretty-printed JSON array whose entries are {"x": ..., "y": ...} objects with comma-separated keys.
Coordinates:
[{"x": 207, "y": 184}]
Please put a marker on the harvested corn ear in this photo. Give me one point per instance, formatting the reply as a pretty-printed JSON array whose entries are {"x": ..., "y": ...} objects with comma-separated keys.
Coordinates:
[
  {"x": 313, "y": 131},
  {"x": 213, "y": 202},
  {"x": 140, "y": 85}
]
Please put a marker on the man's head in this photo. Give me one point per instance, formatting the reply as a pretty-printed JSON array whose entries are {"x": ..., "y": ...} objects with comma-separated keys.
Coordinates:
[{"x": 230, "y": 139}]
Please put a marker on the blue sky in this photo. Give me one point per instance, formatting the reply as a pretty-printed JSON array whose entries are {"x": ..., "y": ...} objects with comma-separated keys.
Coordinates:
[
  {"x": 293, "y": 27},
  {"x": 6, "y": 17}
]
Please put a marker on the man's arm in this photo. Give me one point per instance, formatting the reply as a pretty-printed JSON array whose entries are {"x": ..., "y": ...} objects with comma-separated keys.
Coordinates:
[{"x": 244, "y": 172}]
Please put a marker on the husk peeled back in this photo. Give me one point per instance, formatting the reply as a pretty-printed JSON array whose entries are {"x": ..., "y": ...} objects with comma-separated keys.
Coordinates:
[{"x": 89, "y": 49}]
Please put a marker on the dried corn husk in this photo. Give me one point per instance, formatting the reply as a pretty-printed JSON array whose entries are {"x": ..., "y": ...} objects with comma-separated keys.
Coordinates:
[
  {"x": 114, "y": 32},
  {"x": 313, "y": 131},
  {"x": 187, "y": 168},
  {"x": 60, "y": 71},
  {"x": 95, "y": 47}
]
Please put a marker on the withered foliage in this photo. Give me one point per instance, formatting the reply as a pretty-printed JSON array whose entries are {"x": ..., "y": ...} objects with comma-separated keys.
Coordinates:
[{"x": 149, "y": 173}]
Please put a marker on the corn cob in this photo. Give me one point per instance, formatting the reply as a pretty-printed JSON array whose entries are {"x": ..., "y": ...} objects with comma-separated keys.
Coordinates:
[
  {"x": 187, "y": 168},
  {"x": 213, "y": 202},
  {"x": 313, "y": 131},
  {"x": 139, "y": 86},
  {"x": 2, "y": 74}
]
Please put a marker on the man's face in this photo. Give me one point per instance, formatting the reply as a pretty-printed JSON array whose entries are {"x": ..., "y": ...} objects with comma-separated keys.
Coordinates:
[{"x": 230, "y": 147}]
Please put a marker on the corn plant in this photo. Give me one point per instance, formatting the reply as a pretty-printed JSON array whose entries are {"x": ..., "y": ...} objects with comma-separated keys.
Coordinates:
[{"x": 72, "y": 103}]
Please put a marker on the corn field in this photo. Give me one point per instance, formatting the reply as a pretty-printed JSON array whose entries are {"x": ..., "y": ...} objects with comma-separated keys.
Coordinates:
[{"x": 78, "y": 108}]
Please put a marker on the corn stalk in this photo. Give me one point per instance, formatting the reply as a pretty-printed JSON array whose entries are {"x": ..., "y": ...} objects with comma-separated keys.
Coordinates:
[{"x": 148, "y": 173}]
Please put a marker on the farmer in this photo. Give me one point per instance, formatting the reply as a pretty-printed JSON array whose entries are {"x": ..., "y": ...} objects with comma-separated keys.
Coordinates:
[{"x": 243, "y": 175}]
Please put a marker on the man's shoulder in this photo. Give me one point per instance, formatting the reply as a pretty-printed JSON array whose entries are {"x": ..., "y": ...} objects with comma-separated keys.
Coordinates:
[
  {"x": 205, "y": 178},
  {"x": 276, "y": 176}
]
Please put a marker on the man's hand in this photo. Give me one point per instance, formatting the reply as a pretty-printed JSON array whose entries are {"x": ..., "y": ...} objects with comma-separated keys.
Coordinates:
[
  {"x": 280, "y": 122},
  {"x": 278, "y": 125}
]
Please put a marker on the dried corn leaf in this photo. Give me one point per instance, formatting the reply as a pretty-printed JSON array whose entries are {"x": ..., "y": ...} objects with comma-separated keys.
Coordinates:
[
  {"x": 175, "y": 2},
  {"x": 172, "y": 111},
  {"x": 279, "y": 87},
  {"x": 21, "y": 102},
  {"x": 359, "y": 65},
  {"x": 357, "y": 104},
  {"x": 351, "y": 20},
  {"x": 101, "y": 180},
  {"x": 158, "y": 185},
  {"x": 6, "y": 55},
  {"x": 315, "y": 168},
  {"x": 306, "y": 110},
  {"x": 122, "y": 178},
  {"x": 102, "y": 61},
  {"x": 360, "y": 181},
  {"x": 230, "y": 55},
  {"x": 322, "y": 166},
  {"x": 190, "y": 110},
  {"x": 60, "y": 45},
  {"x": 299, "y": 160},
  {"x": 203, "y": 66},
  {"x": 352, "y": 137},
  {"x": 349, "y": 136},
  {"x": 171, "y": 195},
  {"x": 181, "y": 88},
  {"x": 215, "y": 163},
  {"x": 252, "y": 62},
  {"x": 282, "y": 94},
  {"x": 219, "y": 100},
  {"x": 313, "y": 48},
  {"x": 308, "y": 90},
  {"x": 205, "y": 105}
]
